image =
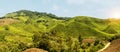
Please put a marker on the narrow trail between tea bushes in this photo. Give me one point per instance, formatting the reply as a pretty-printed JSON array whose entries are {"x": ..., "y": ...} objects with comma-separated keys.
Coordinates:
[{"x": 106, "y": 46}]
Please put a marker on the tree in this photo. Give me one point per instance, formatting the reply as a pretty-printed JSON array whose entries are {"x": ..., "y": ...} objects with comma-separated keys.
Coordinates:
[
  {"x": 41, "y": 40},
  {"x": 6, "y": 28},
  {"x": 96, "y": 42},
  {"x": 80, "y": 38}
]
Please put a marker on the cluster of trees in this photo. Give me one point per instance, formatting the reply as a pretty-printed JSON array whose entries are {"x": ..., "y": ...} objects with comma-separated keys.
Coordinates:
[{"x": 54, "y": 43}]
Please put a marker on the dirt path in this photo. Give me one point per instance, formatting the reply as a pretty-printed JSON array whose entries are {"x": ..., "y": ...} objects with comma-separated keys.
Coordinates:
[{"x": 104, "y": 47}]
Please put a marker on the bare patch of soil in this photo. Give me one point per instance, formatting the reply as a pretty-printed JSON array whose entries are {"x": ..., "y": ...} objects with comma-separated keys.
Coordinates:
[
  {"x": 88, "y": 40},
  {"x": 7, "y": 21},
  {"x": 35, "y": 50}
]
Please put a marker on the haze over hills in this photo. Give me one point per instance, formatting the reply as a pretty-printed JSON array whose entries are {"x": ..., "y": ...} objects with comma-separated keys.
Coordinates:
[{"x": 26, "y": 29}]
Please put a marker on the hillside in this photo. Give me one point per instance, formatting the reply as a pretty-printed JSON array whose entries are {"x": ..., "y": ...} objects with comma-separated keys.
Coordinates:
[{"x": 26, "y": 29}]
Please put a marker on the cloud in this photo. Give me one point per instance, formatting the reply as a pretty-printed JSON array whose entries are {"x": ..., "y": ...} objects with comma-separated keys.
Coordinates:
[
  {"x": 45, "y": 1},
  {"x": 86, "y": 1},
  {"x": 55, "y": 7},
  {"x": 66, "y": 11},
  {"x": 75, "y": 1}
]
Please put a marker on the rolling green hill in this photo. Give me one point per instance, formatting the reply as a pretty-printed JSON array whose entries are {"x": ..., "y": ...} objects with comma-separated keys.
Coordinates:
[{"x": 25, "y": 29}]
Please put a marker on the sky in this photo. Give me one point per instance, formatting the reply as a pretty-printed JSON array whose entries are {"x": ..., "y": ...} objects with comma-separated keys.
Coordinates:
[{"x": 64, "y": 8}]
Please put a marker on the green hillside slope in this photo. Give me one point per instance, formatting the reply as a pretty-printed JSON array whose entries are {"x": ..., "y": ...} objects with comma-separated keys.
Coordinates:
[{"x": 25, "y": 29}]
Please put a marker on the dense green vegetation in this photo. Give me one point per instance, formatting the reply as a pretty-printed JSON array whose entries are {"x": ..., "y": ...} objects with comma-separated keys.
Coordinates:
[{"x": 29, "y": 29}]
